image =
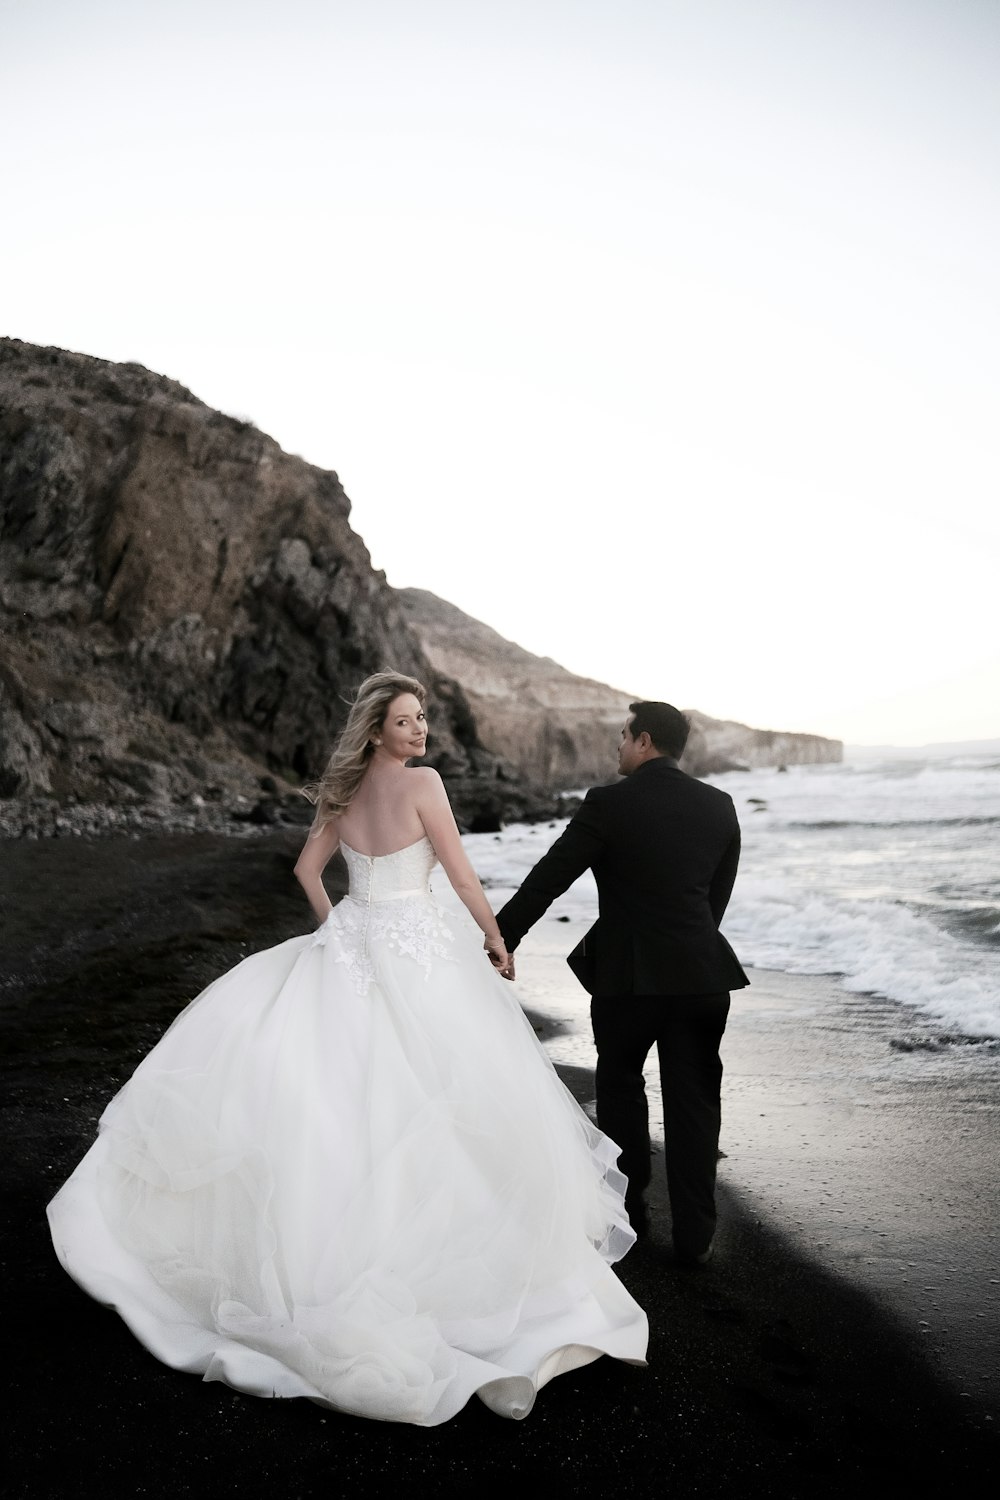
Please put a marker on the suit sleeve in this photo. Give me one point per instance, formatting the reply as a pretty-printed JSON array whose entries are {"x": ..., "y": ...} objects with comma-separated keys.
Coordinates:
[
  {"x": 721, "y": 887},
  {"x": 574, "y": 851}
]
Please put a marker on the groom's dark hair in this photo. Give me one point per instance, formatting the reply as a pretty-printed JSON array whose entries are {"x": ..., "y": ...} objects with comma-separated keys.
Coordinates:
[{"x": 666, "y": 726}]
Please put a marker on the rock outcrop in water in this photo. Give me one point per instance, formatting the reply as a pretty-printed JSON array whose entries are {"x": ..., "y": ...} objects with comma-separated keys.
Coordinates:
[
  {"x": 563, "y": 730},
  {"x": 184, "y": 607}
]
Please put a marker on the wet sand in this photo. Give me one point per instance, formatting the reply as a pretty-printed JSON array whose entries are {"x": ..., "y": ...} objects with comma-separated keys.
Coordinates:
[
  {"x": 862, "y": 1131},
  {"x": 876, "y": 1145},
  {"x": 793, "y": 1366}
]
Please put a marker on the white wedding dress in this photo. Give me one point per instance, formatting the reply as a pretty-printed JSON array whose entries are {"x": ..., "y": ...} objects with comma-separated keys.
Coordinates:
[{"x": 349, "y": 1172}]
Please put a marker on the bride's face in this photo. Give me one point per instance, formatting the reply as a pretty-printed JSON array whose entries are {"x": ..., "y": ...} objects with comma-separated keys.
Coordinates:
[{"x": 404, "y": 728}]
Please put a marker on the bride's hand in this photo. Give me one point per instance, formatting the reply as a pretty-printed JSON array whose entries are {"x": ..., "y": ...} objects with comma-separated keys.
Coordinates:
[{"x": 501, "y": 960}]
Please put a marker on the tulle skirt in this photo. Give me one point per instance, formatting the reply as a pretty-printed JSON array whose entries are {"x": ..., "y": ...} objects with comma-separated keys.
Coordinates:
[{"x": 375, "y": 1194}]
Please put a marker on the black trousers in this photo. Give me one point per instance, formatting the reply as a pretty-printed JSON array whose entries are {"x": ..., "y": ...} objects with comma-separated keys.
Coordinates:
[{"x": 687, "y": 1030}]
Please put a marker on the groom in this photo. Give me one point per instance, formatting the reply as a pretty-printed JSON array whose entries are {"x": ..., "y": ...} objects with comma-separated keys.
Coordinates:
[{"x": 664, "y": 850}]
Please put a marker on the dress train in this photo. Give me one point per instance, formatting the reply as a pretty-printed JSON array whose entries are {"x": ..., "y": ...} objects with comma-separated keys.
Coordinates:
[{"x": 349, "y": 1172}]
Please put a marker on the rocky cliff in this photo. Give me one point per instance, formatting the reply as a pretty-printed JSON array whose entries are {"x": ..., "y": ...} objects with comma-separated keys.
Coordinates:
[
  {"x": 724, "y": 745},
  {"x": 527, "y": 708},
  {"x": 562, "y": 729},
  {"x": 184, "y": 608}
]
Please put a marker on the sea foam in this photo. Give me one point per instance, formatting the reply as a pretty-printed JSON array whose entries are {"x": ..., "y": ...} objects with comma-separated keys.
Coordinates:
[{"x": 885, "y": 875}]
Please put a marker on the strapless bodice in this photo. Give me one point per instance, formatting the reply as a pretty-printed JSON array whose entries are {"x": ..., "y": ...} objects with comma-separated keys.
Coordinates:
[
  {"x": 389, "y": 909},
  {"x": 390, "y": 877}
]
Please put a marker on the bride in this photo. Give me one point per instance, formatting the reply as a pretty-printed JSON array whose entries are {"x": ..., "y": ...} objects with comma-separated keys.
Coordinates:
[{"x": 348, "y": 1171}]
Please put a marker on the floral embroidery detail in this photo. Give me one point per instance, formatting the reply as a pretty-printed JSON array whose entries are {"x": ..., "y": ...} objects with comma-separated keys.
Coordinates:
[
  {"x": 412, "y": 926},
  {"x": 389, "y": 906}
]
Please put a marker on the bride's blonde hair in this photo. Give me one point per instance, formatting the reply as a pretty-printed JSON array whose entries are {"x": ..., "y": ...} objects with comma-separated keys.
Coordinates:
[{"x": 333, "y": 792}]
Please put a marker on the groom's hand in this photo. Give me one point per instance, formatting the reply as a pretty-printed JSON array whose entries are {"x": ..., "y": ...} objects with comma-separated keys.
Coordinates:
[{"x": 501, "y": 960}]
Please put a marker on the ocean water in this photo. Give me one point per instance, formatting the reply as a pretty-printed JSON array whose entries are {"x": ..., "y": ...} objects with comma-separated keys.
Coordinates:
[{"x": 883, "y": 872}]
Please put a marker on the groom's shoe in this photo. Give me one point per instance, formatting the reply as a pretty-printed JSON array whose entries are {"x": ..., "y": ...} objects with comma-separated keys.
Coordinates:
[
  {"x": 638, "y": 1217},
  {"x": 701, "y": 1258}
]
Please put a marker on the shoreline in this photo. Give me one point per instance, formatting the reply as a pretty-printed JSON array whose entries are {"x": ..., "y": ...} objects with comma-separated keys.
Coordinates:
[
  {"x": 856, "y": 1129},
  {"x": 768, "y": 1372},
  {"x": 874, "y": 1146}
]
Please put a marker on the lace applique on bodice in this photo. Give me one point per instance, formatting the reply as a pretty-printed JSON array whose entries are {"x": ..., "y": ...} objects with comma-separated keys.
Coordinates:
[{"x": 388, "y": 903}]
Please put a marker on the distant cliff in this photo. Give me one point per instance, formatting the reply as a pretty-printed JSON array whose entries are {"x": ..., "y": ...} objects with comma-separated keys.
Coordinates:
[
  {"x": 184, "y": 608},
  {"x": 563, "y": 730},
  {"x": 527, "y": 708},
  {"x": 723, "y": 745}
]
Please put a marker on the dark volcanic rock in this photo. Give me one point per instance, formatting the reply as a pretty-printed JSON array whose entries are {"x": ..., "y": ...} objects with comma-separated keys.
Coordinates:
[{"x": 184, "y": 606}]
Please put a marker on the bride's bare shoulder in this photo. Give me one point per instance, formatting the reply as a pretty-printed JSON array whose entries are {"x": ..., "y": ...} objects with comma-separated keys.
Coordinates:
[{"x": 425, "y": 785}]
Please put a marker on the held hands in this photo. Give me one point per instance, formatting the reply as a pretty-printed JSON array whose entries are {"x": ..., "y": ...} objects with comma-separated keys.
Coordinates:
[{"x": 498, "y": 956}]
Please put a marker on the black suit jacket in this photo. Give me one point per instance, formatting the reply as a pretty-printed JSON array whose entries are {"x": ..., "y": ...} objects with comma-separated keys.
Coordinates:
[{"x": 664, "y": 850}]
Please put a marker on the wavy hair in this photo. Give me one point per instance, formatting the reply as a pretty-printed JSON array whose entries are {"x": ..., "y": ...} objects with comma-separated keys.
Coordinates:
[{"x": 352, "y": 754}]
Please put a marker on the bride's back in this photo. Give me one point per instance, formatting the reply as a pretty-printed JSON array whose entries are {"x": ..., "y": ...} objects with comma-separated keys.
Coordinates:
[{"x": 382, "y": 816}]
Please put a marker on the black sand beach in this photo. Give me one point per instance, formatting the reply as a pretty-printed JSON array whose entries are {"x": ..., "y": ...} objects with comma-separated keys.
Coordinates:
[{"x": 770, "y": 1373}]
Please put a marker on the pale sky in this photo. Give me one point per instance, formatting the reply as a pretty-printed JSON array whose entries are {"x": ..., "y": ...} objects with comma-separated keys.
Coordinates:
[{"x": 663, "y": 337}]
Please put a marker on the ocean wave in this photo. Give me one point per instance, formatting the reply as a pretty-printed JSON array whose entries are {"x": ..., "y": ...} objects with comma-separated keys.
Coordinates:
[
  {"x": 916, "y": 794},
  {"x": 889, "y": 882},
  {"x": 980, "y": 926},
  {"x": 972, "y": 821},
  {"x": 875, "y": 947}
]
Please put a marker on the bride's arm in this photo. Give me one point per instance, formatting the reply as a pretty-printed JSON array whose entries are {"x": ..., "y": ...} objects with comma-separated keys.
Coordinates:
[
  {"x": 442, "y": 830},
  {"x": 317, "y": 852}
]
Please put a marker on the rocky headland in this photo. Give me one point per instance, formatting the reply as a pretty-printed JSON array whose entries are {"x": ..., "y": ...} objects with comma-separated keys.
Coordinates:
[
  {"x": 562, "y": 730},
  {"x": 185, "y": 610}
]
